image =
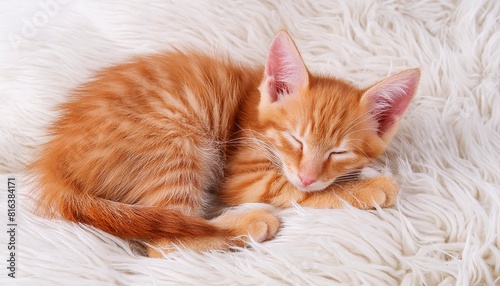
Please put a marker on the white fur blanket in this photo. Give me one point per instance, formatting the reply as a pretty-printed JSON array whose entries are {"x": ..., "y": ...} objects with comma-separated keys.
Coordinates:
[{"x": 445, "y": 227}]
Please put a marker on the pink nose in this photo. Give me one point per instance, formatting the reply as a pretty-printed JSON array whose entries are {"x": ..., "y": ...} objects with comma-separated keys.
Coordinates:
[{"x": 307, "y": 179}]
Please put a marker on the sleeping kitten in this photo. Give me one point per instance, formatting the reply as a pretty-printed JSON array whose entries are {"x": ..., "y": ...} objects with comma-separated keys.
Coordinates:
[{"x": 137, "y": 150}]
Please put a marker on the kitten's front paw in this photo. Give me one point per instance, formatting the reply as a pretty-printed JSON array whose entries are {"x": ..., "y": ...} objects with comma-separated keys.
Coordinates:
[{"x": 380, "y": 190}]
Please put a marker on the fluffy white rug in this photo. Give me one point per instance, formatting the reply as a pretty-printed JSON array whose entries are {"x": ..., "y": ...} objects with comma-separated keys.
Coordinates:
[{"x": 445, "y": 227}]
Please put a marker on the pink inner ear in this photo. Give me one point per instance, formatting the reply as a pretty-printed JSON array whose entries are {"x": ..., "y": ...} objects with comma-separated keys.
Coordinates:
[
  {"x": 277, "y": 89},
  {"x": 390, "y": 98},
  {"x": 285, "y": 69}
]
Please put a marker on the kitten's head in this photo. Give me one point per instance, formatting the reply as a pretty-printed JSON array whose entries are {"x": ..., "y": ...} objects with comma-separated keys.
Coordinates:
[{"x": 322, "y": 128}]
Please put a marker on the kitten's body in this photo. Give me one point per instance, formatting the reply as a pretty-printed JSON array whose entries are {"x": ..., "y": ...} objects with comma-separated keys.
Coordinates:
[{"x": 137, "y": 150}]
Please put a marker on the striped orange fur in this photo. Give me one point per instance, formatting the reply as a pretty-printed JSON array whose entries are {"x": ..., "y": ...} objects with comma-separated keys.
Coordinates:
[{"x": 138, "y": 150}]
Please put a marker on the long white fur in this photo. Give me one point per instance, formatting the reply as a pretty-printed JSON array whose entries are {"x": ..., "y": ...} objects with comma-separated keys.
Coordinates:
[{"x": 445, "y": 227}]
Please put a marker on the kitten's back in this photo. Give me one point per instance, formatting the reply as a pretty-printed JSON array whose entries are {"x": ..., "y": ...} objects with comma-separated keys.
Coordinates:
[{"x": 147, "y": 133}]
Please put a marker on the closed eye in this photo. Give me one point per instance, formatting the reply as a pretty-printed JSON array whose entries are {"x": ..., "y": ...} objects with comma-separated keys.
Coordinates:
[
  {"x": 340, "y": 154},
  {"x": 296, "y": 142}
]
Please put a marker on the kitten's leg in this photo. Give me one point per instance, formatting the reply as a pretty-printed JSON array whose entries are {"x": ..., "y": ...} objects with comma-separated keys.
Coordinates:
[
  {"x": 239, "y": 225},
  {"x": 381, "y": 190},
  {"x": 363, "y": 194}
]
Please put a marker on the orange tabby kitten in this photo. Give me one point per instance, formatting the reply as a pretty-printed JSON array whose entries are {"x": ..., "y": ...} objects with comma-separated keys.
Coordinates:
[{"x": 138, "y": 150}]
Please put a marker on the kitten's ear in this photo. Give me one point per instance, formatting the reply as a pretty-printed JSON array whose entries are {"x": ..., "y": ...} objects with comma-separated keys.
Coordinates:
[
  {"x": 388, "y": 100},
  {"x": 285, "y": 71}
]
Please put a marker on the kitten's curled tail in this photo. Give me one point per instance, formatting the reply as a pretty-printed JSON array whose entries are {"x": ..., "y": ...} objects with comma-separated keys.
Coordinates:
[
  {"x": 127, "y": 221},
  {"x": 136, "y": 221}
]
